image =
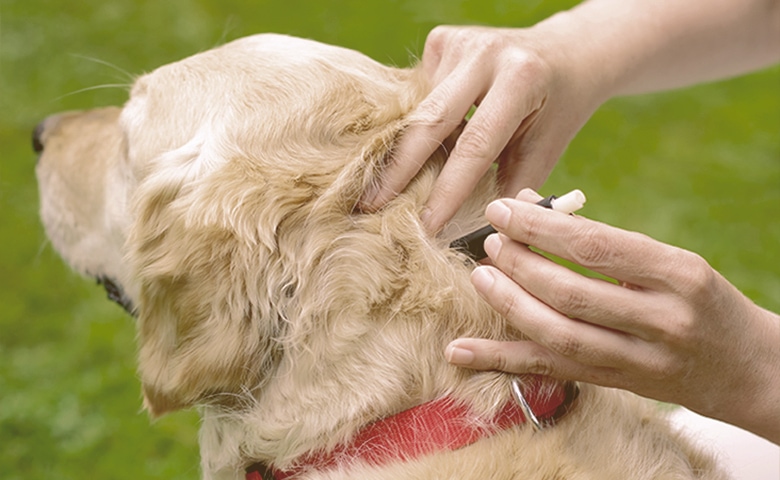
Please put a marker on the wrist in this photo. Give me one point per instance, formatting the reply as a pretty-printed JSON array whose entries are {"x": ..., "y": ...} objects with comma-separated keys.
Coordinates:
[
  {"x": 586, "y": 51},
  {"x": 766, "y": 419},
  {"x": 755, "y": 403},
  {"x": 639, "y": 46}
]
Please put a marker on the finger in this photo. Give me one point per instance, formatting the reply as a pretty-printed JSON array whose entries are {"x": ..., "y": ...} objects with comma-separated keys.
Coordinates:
[
  {"x": 580, "y": 341},
  {"x": 533, "y": 152},
  {"x": 437, "y": 116},
  {"x": 526, "y": 162},
  {"x": 528, "y": 195},
  {"x": 435, "y": 50},
  {"x": 589, "y": 299},
  {"x": 627, "y": 256},
  {"x": 525, "y": 357},
  {"x": 484, "y": 137}
]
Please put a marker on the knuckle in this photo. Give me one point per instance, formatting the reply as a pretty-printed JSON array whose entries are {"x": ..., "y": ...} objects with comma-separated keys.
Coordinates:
[
  {"x": 663, "y": 368},
  {"x": 680, "y": 329},
  {"x": 520, "y": 272},
  {"x": 433, "y": 111},
  {"x": 698, "y": 278},
  {"x": 437, "y": 38},
  {"x": 499, "y": 361},
  {"x": 565, "y": 344},
  {"x": 508, "y": 307},
  {"x": 520, "y": 62},
  {"x": 567, "y": 297},
  {"x": 510, "y": 264},
  {"x": 527, "y": 67},
  {"x": 540, "y": 364},
  {"x": 592, "y": 248},
  {"x": 487, "y": 42},
  {"x": 448, "y": 42},
  {"x": 526, "y": 229},
  {"x": 475, "y": 142}
]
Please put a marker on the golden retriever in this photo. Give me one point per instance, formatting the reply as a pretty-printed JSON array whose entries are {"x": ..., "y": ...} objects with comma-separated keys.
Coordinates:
[{"x": 219, "y": 207}]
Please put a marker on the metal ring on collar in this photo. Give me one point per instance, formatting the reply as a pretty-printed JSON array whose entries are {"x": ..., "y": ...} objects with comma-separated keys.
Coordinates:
[{"x": 530, "y": 417}]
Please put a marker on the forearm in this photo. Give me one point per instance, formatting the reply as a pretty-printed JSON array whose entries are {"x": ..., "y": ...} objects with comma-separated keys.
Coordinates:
[
  {"x": 641, "y": 46},
  {"x": 755, "y": 406}
]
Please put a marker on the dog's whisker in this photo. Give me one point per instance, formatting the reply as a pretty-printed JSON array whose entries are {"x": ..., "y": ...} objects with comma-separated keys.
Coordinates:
[
  {"x": 37, "y": 257},
  {"x": 96, "y": 87},
  {"x": 229, "y": 25},
  {"x": 129, "y": 76}
]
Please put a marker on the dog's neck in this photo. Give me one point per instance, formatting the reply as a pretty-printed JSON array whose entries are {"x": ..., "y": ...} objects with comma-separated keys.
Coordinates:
[
  {"x": 438, "y": 425},
  {"x": 369, "y": 367},
  {"x": 369, "y": 323}
]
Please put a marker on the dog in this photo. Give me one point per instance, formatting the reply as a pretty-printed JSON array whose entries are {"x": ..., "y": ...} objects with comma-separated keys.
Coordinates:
[{"x": 218, "y": 206}]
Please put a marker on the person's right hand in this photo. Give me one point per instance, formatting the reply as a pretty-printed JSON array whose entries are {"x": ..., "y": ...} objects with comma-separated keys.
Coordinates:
[
  {"x": 669, "y": 328},
  {"x": 533, "y": 94}
]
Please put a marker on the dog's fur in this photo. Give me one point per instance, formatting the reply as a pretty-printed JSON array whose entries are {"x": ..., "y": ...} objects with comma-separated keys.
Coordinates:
[{"x": 222, "y": 198}]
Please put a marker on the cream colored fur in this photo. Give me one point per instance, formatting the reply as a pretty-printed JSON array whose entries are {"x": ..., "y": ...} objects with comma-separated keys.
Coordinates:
[{"x": 222, "y": 197}]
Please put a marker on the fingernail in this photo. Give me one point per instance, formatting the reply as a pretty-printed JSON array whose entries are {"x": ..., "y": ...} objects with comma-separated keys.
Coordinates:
[
  {"x": 529, "y": 195},
  {"x": 498, "y": 214},
  {"x": 430, "y": 222},
  {"x": 368, "y": 198},
  {"x": 459, "y": 356},
  {"x": 482, "y": 278},
  {"x": 492, "y": 245},
  {"x": 425, "y": 216}
]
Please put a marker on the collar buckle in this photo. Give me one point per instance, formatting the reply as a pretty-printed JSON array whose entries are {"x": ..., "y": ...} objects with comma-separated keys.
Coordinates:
[
  {"x": 571, "y": 393},
  {"x": 528, "y": 412}
]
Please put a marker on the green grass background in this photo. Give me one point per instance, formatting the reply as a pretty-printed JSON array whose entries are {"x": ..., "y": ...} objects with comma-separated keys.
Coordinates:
[{"x": 698, "y": 168}]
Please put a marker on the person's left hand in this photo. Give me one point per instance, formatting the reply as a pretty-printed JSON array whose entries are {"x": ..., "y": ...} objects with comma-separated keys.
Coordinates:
[
  {"x": 673, "y": 329},
  {"x": 532, "y": 92}
]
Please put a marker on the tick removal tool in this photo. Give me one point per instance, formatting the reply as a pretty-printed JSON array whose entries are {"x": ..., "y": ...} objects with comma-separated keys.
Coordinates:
[{"x": 472, "y": 244}]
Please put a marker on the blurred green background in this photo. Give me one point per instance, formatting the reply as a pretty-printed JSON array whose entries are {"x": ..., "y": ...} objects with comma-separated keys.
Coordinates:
[{"x": 698, "y": 168}]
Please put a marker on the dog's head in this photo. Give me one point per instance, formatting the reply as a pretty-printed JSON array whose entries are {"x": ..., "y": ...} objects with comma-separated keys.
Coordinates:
[{"x": 222, "y": 199}]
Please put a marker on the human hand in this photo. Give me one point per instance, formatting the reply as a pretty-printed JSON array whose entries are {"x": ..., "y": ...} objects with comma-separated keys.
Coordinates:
[
  {"x": 533, "y": 95},
  {"x": 673, "y": 329}
]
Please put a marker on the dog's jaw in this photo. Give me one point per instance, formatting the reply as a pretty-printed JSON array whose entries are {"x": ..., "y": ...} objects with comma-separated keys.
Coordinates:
[{"x": 85, "y": 192}]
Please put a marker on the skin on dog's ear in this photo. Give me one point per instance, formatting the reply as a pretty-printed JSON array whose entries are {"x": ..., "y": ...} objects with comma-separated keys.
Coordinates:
[
  {"x": 365, "y": 170},
  {"x": 378, "y": 116}
]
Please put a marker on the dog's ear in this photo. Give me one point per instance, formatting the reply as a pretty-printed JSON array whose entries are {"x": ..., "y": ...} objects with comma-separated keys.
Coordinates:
[
  {"x": 202, "y": 250},
  {"x": 230, "y": 228},
  {"x": 367, "y": 115},
  {"x": 365, "y": 168}
]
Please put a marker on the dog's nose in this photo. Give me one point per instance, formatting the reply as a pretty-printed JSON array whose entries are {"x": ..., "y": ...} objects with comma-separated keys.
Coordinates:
[{"x": 37, "y": 144}]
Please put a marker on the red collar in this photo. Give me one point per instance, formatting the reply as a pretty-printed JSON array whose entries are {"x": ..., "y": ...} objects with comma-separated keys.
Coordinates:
[{"x": 437, "y": 425}]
